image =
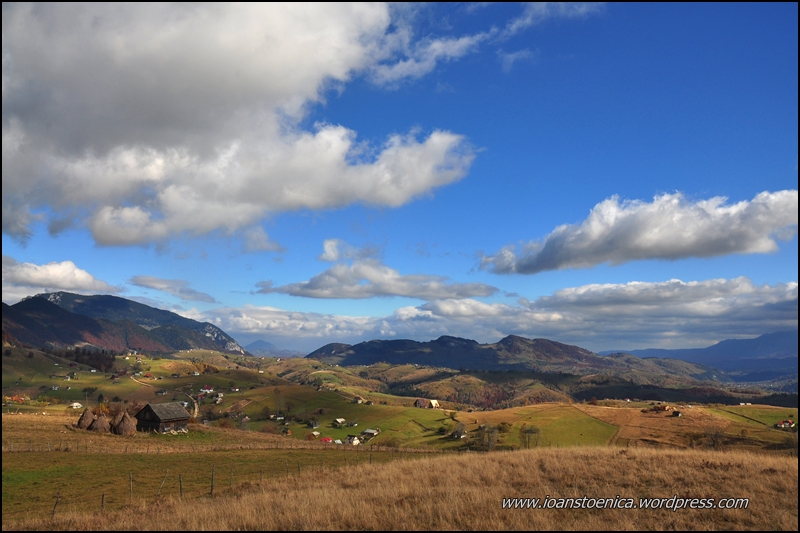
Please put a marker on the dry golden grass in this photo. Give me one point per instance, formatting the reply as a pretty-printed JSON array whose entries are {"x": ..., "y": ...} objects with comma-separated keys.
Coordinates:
[{"x": 466, "y": 492}]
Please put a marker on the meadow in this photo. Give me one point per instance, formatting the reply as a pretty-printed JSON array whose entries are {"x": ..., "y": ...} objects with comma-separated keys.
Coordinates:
[{"x": 457, "y": 492}]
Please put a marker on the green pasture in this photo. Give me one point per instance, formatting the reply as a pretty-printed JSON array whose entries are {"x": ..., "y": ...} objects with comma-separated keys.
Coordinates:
[{"x": 762, "y": 413}]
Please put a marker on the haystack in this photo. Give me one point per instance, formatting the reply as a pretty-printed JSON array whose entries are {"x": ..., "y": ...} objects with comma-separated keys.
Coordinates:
[
  {"x": 116, "y": 420},
  {"x": 125, "y": 427},
  {"x": 86, "y": 419},
  {"x": 100, "y": 425}
]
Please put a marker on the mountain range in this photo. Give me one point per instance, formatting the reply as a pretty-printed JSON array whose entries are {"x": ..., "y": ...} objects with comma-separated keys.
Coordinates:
[
  {"x": 512, "y": 353},
  {"x": 767, "y": 357},
  {"x": 63, "y": 319}
]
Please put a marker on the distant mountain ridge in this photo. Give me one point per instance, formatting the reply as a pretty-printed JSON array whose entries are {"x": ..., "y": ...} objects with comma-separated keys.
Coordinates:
[
  {"x": 267, "y": 349},
  {"x": 109, "y": 322},
  {"x": 763, "y": 358},
  {"x": 511, "y": 353}
]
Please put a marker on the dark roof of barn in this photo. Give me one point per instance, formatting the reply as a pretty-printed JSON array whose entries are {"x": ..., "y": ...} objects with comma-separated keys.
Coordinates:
[{"x": 167, "y": 411}]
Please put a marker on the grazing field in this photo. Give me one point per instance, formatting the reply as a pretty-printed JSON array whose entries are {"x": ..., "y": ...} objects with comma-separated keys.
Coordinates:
[{"x": 451, "y": 492}]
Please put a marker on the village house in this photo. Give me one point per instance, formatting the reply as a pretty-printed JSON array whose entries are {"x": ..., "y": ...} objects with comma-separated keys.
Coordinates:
[
  {"x": 370, "y": 433},
  {"x": 459, "y": 434},
  {"x": 206, "y": 389},
  {"x": 358, "y": 399},
  {"x": 422, "y": 403},
  {"x": 434, "y": 404},
  {"x": 162, "y": 418},
  {"x": 785, "y": 424},
  {"x": 354, "y": 440},
  {"x": 339, "y": 422}
]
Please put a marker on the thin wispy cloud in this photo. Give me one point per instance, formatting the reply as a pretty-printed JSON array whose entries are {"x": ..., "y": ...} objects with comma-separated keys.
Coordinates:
[
  {"x": 175, "y": 287},
  {"x": 507, "y": 59},
  {"x": 537, "y": 12},
  {"x": 369, "y": 278},
  {"x": 670, "y": 227}
]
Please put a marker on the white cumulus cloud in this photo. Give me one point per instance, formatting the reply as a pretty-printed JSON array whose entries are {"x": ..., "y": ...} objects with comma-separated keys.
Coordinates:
[
  {"x": 25, "y": 279},
  {"x": 670, "y": 227},
  {"x": 145, "y": 122}
]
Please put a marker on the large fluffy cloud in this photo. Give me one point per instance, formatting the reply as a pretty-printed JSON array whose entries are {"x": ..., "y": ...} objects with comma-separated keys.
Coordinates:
[
  {"x": 25, "y": 279},
  {"x": 670, "y": 314},
  {"x": 670, "y": 227},
  {"x": 147, "y": 121}
]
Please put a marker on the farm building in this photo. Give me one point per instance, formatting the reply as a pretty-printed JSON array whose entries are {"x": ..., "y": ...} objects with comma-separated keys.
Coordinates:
[
  {"x": 355, "y": 440},
  {"x": 677, "y": 413},
  {"x": 358, "y": 399},
  {"x": 459, "y": 434},
  {"x": 339, "y": 422},
  {"x": 422, "y": 403},
  {"x": 162, "y": 418},
  {"x": 785, "y": 424},
  {"x": 434, "y": 404}
]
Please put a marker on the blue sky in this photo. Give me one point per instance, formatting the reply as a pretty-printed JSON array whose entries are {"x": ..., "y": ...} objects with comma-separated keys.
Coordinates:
[{"x": 611, "y": 176}]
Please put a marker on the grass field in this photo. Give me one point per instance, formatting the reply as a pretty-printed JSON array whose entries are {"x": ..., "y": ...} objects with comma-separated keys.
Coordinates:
[{"x": 427, "y": 492}]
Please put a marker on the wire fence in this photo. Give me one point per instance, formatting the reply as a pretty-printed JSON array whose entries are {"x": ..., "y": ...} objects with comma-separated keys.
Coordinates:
[{"x": 153, "y": 478}]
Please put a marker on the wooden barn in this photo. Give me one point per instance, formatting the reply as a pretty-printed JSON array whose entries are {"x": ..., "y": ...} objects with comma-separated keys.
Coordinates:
[{"x": 162, "y": 418}]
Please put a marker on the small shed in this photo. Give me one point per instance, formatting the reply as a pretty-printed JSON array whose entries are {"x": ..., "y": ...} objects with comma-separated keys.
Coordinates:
[
  {"x": 162, "y": 418},
  {"x": 434, "y": 404},
  {"x": 339, "y": 422}
]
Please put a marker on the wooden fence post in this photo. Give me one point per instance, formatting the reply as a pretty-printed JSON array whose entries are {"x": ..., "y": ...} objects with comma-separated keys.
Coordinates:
[
  {"x": 180, "y": 480},
  {"x": 131, "y": 500},
  {"x": 212, "y": 480},
  {"x": 162, "y": 484},
  {"x": 58, "y": 496},
  {"x": 103, "y": 503}
]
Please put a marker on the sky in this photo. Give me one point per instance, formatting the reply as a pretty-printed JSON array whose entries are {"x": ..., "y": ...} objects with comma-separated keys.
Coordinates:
[{"x": 613, "y": 176}]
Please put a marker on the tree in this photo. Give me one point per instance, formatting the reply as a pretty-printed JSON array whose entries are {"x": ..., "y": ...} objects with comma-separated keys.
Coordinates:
[
  {"x": 265, "y": 412},
  {"x": 530, "y": 434}
]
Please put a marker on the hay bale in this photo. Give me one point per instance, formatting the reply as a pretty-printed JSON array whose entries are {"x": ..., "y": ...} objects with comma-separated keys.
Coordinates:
[
  {"x": 125, "y": 427},
  {"x": 100, "y": 425},
  {"x": 86, "y": 419}
]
